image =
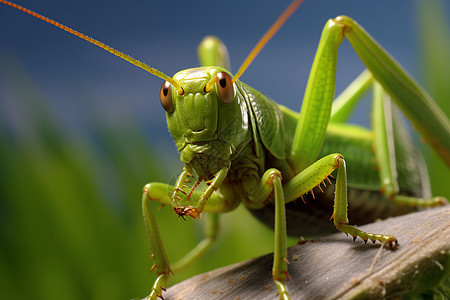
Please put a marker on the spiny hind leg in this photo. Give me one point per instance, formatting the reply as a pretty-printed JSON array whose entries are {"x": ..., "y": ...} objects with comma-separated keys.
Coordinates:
[
  {"x": 340, "y": 211},
  {"x": 313, "y": 176}
]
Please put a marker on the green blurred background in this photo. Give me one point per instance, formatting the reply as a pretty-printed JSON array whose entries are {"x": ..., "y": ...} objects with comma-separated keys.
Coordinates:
[{"x": 79, "y": 136}]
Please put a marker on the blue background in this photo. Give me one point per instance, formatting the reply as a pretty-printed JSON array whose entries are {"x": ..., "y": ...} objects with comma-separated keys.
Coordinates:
[{"x": 165, "y": 35}]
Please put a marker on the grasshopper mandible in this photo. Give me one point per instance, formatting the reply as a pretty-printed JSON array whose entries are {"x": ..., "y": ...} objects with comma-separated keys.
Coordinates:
[{"x": 248, "y": 149}]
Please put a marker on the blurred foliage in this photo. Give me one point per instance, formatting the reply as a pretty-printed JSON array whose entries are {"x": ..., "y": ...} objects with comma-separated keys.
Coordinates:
[{"x": 70, "y": 211}]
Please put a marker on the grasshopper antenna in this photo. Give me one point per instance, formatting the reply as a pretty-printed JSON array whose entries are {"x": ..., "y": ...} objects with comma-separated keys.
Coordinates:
[
  {"x": 101, "y": 45},
  {"x": 267, "y": 36}
]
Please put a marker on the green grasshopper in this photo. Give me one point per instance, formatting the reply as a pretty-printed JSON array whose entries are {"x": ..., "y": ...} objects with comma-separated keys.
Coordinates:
[{"x": 240, "y": 146}]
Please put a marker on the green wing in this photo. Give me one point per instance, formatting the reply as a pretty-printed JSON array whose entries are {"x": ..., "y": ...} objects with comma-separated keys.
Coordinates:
[{"x": 267, "y": 121}]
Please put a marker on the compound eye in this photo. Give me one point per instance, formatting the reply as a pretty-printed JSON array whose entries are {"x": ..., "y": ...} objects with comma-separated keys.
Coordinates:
[
  {"x": 165, "y": 95},
  {"x": 225, "y": 87}
]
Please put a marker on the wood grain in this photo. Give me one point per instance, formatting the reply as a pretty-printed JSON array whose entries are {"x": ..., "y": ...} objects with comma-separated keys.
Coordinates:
[{"x": 335, "y": 267}]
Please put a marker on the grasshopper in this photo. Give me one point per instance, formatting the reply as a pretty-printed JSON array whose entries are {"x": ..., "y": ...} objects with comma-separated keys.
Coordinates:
[{"x": 240, "y": 146}]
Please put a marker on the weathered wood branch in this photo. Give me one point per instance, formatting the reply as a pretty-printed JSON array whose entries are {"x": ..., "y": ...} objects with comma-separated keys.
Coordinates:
[{"x": 334, "y": 267}]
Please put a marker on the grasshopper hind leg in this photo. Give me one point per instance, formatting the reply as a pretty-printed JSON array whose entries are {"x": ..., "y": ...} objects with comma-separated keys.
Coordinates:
[
  {"x": 312, "y": 176},
  {"x": 340, "y": 211},
  {"x": 312, "y": 218}
]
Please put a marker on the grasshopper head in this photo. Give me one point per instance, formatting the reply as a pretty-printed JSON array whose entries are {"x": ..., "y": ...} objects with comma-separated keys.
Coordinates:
[{"x": 201, "y": 120}]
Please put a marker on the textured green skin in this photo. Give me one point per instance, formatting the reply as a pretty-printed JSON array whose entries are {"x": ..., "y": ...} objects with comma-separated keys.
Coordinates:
[
  {"x": 253, "y": 134},
  {"x": 366, "y": 203}
]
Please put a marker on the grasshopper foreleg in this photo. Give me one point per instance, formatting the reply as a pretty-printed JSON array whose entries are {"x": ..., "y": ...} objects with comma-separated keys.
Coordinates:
[
  {"x": 195, "y": 211},
  {"x": 260, "y": 190},
  {"x": 160, "y": 192}
]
